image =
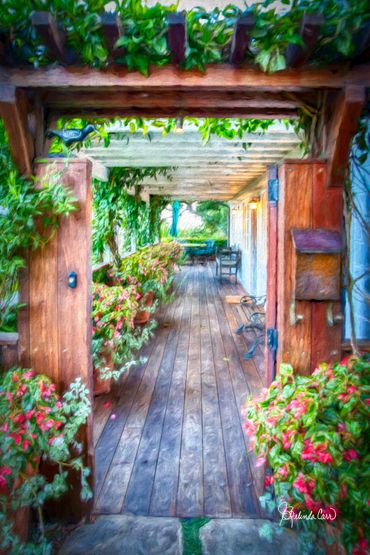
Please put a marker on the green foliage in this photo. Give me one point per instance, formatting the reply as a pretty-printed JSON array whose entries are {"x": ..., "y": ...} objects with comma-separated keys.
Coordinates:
[
  {"x": 37, "y": 423},
  {"x": 28, "y": 219},
  {"x": 215, "y": 217},
  {"x": 314, "y": 433},
  {"x": 190, "y": 534},
  {"x": 209, "y": 33},
  {"x": 115, "y": 209}
]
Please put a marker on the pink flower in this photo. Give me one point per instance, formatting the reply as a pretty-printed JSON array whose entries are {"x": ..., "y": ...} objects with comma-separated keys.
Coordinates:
[
  {"x": 286, "y": 439},
  {"x": 29, "y": 374},
  {"x": 283, "y": 471},
  {"x": 341, "y": 427},
  {"x": 350, "y": 455},
  {"x": 261, "y": 460}
]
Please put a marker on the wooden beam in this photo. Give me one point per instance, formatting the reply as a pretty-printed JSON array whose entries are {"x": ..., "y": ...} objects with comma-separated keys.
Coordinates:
[
  {"x": 176, "y": 99},
  {"x": 52, "y": 37},
  {"x": 296, "y": 54},
  {"x": 172, "y": 112},
  {"x": 342, "y": 128},
  {"x": 176, "y": 36},
  {"x": 112, "y": 30},
  {"x": 14, "y": 112},
  {"x": 216, "y": 78},
  {"x": 241, "y": 38}
]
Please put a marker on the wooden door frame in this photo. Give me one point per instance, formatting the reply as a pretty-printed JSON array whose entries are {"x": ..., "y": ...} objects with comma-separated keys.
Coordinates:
[{"x": 30, "y": 99}]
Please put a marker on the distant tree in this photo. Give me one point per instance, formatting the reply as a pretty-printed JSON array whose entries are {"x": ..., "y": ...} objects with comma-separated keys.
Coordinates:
[{"x": 214, "y": 214}]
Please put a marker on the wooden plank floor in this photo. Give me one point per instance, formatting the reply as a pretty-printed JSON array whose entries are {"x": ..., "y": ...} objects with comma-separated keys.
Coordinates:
[{"x": 171, "y": 443}]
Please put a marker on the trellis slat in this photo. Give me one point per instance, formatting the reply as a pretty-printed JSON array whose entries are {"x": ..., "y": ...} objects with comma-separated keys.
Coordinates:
[
  {"x": 52, "y": 37},
  {"x": 296, "y": 54},
  {"x": 177, "y": 36},
  {"x": 241, "y": 38}
]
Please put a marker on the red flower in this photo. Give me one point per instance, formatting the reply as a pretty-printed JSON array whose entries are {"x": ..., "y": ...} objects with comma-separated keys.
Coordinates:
[
  {"x": 325, "y": 457},
  {"x": 269, "y": 480},
  {"x": 4, "y": 471},
  {"x": 350, "y": 455},
  {"x": 21, "y": 390},
  {"x": 304, "y": 485},
  {"x": 362, "y": 547},
  {"x": 311, "y": 504}
]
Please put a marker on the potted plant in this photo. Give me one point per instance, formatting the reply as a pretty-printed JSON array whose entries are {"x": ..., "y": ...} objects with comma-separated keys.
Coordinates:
[
  {"x": 36, "y": 423},
  {"x": 115, "y": 338},
  {"x": 313, "y": 431}
]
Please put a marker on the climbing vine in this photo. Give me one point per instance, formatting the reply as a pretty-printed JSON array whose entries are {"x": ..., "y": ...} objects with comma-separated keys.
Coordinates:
[
  {"x": 122, "y": 220},
  {"x": 144, "y": 28},
  {"x": 28, "y": 219}
]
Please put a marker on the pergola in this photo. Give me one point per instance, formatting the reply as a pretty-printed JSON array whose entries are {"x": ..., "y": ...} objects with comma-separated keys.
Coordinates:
[
  {"x": 221, "y": 169},
  {"x": 55, "y": 327}
]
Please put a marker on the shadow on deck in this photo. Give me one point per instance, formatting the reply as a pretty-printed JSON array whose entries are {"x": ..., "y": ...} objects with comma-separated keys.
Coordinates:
[{"x": 172, "y": 442}]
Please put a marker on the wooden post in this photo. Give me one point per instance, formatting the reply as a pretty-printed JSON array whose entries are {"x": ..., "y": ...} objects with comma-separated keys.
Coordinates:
[
  {"x": 306, "y": 337},
  {"x": 55, "y": 329},
  {"x": 271, "y": 301},
  {"x": 14, "y": 112}
]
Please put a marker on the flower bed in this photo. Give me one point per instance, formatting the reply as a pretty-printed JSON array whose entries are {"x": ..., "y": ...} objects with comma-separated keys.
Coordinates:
[
  {"x": 36, "y": 423},
  {"x": 121, "y": 300},
  {"x": 314, "y": 433}
]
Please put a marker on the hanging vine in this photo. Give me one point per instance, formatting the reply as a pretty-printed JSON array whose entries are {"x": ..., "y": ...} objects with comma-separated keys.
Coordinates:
[
  {"x": 28, "y": 220},
  {"x": 119, "y": 211}
]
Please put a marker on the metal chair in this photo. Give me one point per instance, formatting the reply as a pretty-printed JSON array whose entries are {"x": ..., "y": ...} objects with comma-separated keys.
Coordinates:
[{"x": 228, "y": 262}]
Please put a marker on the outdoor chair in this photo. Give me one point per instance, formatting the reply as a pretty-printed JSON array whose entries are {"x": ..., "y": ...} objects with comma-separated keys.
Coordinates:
[
  {"x": 257, "y": 322},
  {"x": 228, "y": 263}
]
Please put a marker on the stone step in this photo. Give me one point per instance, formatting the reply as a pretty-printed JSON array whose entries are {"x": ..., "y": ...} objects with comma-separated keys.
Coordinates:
[{"x": 142, "y": 535}]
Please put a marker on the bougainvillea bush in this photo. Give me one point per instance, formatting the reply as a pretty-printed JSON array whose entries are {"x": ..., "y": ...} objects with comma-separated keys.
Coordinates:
[
  {"x": 37, "y": 424},
  {"x": 114, "y": 333},
  {"x": 313, "y": 431}
]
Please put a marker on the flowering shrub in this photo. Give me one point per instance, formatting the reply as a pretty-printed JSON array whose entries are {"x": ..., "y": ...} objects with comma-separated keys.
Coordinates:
[
  {"x": 114, "y": 333},
  {"x": 314, "y": 433},
  {"x": 36, "y": 423},
  {"x": 151, "y": 268}
]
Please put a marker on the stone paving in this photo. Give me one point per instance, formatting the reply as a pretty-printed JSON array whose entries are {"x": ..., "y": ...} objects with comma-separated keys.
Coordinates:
[{"x": 135, "y": 535}]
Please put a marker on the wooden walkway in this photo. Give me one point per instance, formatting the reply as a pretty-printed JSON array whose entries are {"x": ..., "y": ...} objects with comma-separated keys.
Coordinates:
[{"x": 172, "y": 443}]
